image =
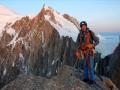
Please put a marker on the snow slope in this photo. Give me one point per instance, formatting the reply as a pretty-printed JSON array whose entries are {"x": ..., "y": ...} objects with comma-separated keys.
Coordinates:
[
  {"x": 6, "y": 11},
  {"x": 7, "y": 16},
  {"x": 62, "y": 25}
]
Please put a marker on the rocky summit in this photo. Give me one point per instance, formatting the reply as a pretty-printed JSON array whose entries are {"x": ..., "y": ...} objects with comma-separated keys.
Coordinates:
[{"x": 66, "y": 79}]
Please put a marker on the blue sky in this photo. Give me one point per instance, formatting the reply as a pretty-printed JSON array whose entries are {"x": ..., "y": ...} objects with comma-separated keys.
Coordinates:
[{"x": 101, "y": 15}]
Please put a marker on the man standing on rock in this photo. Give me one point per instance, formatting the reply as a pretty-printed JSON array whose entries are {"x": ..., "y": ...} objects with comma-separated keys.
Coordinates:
[{"x": 86, "y": 42}]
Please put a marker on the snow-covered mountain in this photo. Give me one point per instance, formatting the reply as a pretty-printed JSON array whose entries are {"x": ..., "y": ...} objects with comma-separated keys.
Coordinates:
[
  {"x": 7, "y": 16},
  {"x": 36, "y": 45},
  {"x": 65, "y": 27},
  {"x": 61, "y": 24}
]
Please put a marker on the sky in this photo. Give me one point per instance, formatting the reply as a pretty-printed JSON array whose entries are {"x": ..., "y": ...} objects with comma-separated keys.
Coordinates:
[{"x": 101, "y": 15}]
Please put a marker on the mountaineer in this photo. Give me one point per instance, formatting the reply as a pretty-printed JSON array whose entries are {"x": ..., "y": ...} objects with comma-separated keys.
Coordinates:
[{"x": 86, "y": 42}]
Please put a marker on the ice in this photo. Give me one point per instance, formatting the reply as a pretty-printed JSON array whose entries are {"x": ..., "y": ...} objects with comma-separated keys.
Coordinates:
[
  {"x": 11, "y": 31},
  {"x": 13, "y": 41}
]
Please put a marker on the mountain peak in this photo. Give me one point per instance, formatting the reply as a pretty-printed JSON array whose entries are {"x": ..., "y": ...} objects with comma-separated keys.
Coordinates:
[
  {"x": 48, "y": 8},
  {"x": 64, "y": 26}
]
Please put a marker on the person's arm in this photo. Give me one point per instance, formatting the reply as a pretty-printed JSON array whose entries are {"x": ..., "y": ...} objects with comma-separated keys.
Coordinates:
[
  {"x": 78, "y": 40},
  {"x": 95, "y": 39}
]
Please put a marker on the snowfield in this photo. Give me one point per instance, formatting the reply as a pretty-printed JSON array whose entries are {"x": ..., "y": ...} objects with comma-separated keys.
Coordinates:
[
  {"x": 7, "y": 16},
  {"x": 63, "y": 26}
]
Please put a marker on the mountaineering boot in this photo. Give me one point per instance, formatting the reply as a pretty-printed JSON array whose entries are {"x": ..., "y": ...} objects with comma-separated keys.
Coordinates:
[
  {"x": 91, "y": 82},
  {"x": 86, "y": 80}
]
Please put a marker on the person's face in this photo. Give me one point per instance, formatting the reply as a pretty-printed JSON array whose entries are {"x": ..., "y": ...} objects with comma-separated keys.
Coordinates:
[{"x": 84, "y": 28}]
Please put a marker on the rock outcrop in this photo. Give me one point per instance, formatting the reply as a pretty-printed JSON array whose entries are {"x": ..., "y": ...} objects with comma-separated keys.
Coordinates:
[
  {"x": 115, "y": 66},
  {"x": 65, "y": 80},
  {"x": 109, "y": 66}
]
